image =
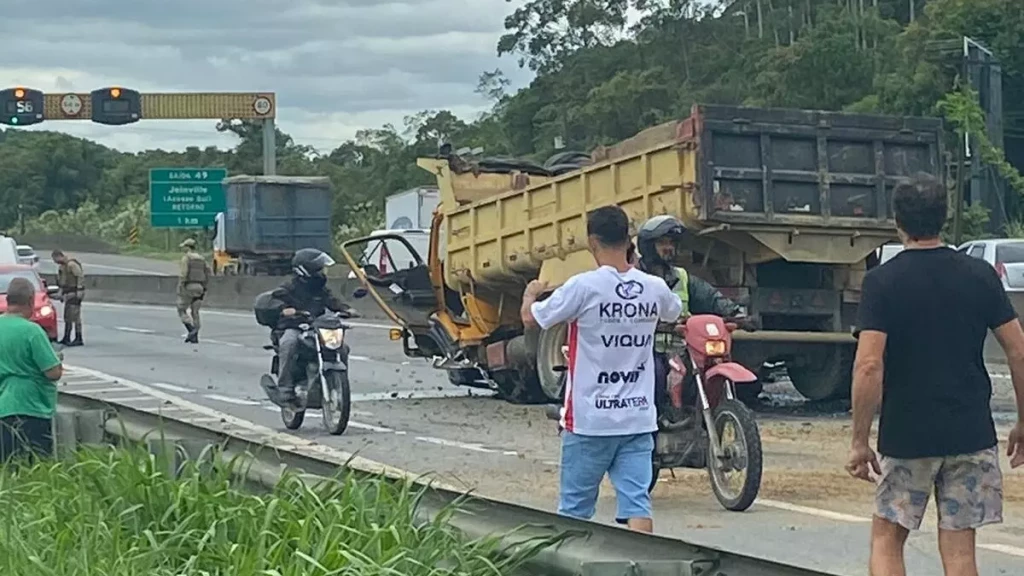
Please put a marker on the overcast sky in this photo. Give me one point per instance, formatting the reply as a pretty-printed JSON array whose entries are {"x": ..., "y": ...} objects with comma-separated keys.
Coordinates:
[{"x": 337, "y": 66}]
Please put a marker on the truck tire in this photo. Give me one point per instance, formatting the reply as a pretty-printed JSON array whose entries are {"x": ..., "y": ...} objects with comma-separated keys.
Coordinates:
[
  {"x": 518, "y": 386},
  {"x": 825, "y": 375},
  {"x": 551, "y": 380}
]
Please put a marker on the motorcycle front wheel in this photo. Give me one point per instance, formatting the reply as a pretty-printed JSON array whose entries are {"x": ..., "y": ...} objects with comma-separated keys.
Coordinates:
[
  {"x": 292, "y": 418},
  {"x": 740, "y": 452},
  {"x": 337, "y": 404}
]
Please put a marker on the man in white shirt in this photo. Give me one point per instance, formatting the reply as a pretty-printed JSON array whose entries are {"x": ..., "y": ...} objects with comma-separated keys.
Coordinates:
[{"x": 609, "y": 415}]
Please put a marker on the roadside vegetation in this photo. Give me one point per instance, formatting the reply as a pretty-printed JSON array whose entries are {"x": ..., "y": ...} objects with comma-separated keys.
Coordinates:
[
  {"x": 116, "y": 512},
  {"x": 599, "y": 77}
]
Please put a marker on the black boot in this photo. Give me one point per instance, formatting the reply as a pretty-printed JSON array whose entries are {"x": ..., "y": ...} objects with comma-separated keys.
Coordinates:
[
  {"x": 78, "y": 337},
  {"x": 193, "y": 336},
  {"x": 66, "y": 340}
]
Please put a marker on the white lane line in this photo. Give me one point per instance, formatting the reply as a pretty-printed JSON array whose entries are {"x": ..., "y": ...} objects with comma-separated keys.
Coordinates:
[
  {"x": 230, "y": 400},
  {"x": 134, "y": 330},
  {"x": 420, "y": 395},
  {"x": 83, "y": 382},
  {"x": 362, "y": 413},
  {"x": 124, "y": 399},
  {"x": 812, "y": 511},
  {"x": 100, "y": 390},
  {"x": 221, "y": 342},
  {"x": 1004, "y": 548},
  {"x": 360, "y": 358},
  {"x": 453, "y": 444},
  {"x": 355, "y": 324},
  {"x": 173, "y": 388},
  {"x": 370, "y": 427}
]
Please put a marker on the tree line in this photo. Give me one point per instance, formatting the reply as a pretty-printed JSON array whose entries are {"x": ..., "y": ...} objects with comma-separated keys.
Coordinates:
[{"x": 604, "y": 69}]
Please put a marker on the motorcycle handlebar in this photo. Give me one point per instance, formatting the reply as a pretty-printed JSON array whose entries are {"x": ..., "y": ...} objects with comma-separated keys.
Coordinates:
[{"x": 747, "y": 323}]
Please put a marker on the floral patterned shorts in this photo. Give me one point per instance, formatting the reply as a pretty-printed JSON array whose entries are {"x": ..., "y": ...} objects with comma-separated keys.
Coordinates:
[{"x": 968, "y": 490}]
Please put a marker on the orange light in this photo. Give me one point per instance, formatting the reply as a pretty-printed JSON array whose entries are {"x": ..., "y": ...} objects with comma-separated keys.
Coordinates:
[
  {"x": 115, "y": 92},
  {"x": 19, "y": 93}
]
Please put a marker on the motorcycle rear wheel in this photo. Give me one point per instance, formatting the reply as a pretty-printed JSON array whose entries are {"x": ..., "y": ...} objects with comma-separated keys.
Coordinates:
[
  {"x": 337, "y": 406},
  {"x": 746, "y": 448}
]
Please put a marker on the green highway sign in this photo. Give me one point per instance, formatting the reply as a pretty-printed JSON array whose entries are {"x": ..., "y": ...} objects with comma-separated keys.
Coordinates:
[{"x": 185, "y": 197}]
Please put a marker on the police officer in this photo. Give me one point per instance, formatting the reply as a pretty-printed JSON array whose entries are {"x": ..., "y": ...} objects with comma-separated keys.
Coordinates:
[
  {"x": 71, "y": 281},
  {"x": 193, "y": 279},
  {"x": 657, "y": 242}
]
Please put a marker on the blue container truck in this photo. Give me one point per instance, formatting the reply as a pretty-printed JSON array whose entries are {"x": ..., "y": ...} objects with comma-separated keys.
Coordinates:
[{"x": 268, "y": 218}]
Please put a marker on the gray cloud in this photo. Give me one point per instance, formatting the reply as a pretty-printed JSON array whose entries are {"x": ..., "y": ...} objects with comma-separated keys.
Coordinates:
[{"x": 347, "y": 59}]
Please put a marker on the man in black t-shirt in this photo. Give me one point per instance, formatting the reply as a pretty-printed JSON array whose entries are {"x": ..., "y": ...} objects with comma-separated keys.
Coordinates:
[{"x": 921, "y": 328}]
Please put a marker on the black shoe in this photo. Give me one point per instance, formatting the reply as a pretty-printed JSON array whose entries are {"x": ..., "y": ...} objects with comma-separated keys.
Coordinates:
[{"x": 76, "y": 342}]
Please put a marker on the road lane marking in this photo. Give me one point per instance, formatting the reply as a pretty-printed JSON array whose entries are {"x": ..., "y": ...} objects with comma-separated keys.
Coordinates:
[
  {"x": 222, "y": 343},
  {"x": 370, "y": 427},
  {"x": 1004, "y": 548},
  {"x": 173, "y": 388},
  {"x": 280, "y": 439},
  {"x": 432, "y": 394},
  {"x": 134, "y": 330},
  {"x": 453, "y": 444},
  {"x": 812, "y": 511},
  {"x": 231, "y": 400},
  {"x": 100, "y": 390},
  {"x": 131, "y": 399}
]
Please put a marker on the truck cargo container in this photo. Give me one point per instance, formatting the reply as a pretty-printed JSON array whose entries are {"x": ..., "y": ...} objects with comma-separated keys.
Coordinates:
[
  {"x": 268, "y": 218},
  {"x": 411, "y": 209},
  {"x": 784, "y": 211}
]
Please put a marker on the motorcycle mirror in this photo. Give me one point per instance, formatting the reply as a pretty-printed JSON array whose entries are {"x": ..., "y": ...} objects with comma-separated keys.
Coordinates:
[{"x": 360, "y": 293}]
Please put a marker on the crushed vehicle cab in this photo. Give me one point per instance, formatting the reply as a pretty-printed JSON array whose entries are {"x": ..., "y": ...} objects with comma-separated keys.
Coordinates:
[{"x": 785, "y": 209}]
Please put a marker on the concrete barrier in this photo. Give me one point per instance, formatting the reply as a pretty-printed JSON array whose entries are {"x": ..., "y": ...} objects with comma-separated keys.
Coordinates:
[{"x": 225, "y": 292}]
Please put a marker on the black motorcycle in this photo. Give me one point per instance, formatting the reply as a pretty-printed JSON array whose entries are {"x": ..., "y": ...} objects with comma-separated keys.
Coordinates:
[{"x": 321, "y": 375}]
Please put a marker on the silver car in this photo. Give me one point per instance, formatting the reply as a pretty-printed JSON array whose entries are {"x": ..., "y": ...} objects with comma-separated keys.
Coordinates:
[
  {"x": 1006, "y": 255},
  {"x": 27, "y": 256}
]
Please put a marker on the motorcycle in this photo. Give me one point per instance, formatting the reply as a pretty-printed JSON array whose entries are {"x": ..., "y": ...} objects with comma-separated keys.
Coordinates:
[
  {"x": 320, "y": 376},
  {"x": 692, "y": 432}
]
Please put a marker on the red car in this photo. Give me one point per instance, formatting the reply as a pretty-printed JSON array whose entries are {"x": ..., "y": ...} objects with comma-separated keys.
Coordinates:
[{"x": 44, "y": 314}]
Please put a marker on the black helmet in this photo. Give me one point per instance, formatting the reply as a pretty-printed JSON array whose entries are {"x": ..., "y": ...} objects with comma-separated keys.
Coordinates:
[
  {"x": 310, "y": 263},
  {"x": 651, "y": 231}
]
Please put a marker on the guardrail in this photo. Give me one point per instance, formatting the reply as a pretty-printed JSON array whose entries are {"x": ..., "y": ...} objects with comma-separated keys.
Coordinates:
[{"x": 591, "y": 549}]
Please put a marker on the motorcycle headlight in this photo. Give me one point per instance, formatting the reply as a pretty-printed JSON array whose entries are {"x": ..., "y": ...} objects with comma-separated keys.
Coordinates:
[
  {"x": 46, "y": 311},
  {"x": 714, "y": 348},
  {"x": 332, "y": 338}
]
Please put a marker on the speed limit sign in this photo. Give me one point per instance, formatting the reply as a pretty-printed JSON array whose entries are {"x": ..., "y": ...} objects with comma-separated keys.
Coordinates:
[{"x": 262, "y": 105}]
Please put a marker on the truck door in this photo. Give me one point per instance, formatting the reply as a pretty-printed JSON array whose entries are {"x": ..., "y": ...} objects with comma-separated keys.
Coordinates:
[{"x": 396, "y": 276}]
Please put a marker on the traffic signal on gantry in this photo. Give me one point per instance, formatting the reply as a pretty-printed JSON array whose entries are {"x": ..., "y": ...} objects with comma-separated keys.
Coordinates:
[
  {"x": 21, "y": 106},
  {"x": 116, "y": 106}
]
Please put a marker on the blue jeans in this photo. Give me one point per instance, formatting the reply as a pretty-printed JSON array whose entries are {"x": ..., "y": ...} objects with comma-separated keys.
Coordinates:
[{"x": 585, "y": 461}]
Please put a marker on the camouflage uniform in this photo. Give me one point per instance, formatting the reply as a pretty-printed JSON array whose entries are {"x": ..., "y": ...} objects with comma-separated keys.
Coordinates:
[
  {"x": 71, "y": 280},
  {"x": 192, "y": 281}
]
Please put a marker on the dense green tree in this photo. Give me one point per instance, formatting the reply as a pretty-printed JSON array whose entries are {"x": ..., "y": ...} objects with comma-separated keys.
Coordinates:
[{"x": 604, "y": 69}]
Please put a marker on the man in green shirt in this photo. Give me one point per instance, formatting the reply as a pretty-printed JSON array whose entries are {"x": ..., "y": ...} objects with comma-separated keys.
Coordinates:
[{"x": 28, "y": 369}]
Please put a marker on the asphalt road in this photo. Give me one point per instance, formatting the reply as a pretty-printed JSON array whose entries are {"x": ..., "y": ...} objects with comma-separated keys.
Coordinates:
[
  {"x": 111, "y": 264},
  {"x": 407, "y": 415}
]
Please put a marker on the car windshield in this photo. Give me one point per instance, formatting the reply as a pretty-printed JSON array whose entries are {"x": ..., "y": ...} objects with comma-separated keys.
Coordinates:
[
  {"x": 1010, "y": 253},
  {"x": 6, "y": 277},
  {"x": 24, "y": 251}
]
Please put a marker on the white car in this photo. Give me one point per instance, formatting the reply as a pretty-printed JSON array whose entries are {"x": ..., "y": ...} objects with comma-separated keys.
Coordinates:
[
  {"x": 27, "y": 256},
  {"x": 1005, "y": 254}
]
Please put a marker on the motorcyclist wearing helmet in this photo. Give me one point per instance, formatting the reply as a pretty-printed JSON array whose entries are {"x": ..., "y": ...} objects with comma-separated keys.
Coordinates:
[
  {"x": 658, "y": 241},
  {"x": 304, "y": 296}
]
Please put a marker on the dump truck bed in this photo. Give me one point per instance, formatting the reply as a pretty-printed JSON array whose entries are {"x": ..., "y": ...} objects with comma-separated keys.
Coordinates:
[{"x": 799, "y": 185}]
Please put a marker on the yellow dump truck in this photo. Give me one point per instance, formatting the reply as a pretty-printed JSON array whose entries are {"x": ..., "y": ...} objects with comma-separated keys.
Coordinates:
[{"x": 784, "y": 208}]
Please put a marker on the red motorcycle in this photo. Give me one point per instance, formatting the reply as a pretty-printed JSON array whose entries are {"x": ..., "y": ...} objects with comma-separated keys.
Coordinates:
[{"x": 700, "y": 409}]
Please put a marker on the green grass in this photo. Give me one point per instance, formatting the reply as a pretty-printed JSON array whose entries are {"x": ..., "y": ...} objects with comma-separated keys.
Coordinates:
[{"x": 112, "y": 512}]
